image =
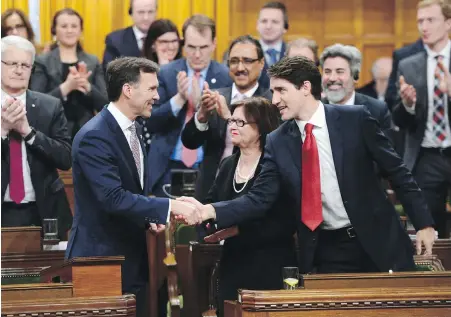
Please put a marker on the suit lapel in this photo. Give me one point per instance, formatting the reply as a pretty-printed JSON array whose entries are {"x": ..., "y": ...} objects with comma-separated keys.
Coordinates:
[
  {"x": 56, "y": 65},
  {"x": 336, "y": 140},
  {"x": 139, "y": 132},
  {"x": 421, "y": 84},
  {"x": 131, "y": 42},
  {"x": 123, "y": 144},
  {"x": 295, "y": 143},
  {"x": 221, "y": 123}
]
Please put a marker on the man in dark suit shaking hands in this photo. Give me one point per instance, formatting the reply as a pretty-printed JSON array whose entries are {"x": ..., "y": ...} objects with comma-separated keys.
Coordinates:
[
  {"x": 110, "y": 172},
  {"x": 322, "y": 160}
]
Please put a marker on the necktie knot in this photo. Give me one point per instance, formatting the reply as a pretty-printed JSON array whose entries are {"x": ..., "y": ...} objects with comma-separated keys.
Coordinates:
[
  {"x": 439, "y": 58},
  {"x": 272, "y": 52},
  {"x": 132, "y": 128},
  {"x": 308, "y": 128},
  {"x": 197, "y": 75}
]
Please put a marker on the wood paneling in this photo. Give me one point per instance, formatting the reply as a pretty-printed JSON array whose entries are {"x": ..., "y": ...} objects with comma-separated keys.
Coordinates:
[{"x": 375, "y": 27}]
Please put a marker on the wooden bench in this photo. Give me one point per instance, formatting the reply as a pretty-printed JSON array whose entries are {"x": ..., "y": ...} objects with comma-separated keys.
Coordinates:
[{"x": 355, "y": 302}]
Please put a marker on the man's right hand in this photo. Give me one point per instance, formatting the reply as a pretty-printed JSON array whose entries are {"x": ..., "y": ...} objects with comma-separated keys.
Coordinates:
[
  {"x": 186, "y": 211},
  {"x": 407, "y": 92},
  {"x": 182, "y": 86},
  {"x": 12, "y": 111}
]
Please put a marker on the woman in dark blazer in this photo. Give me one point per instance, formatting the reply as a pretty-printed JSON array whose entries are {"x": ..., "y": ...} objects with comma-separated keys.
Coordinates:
[
  {"x": 69, "y": 73},
  {"x": 254, "y": 253}
]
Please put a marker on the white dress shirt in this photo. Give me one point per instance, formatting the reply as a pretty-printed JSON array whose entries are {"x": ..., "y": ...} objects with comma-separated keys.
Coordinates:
[
  {"x": 236, "y": 96},
  {"x": 334, "y": 212},
  {"x": 429, "y": 139},
  {"x": 125, "y": 124},
  {"x": 140, "y": 36},
  {"x": 30, "y": 195},
  {"x": 351, "y": 100}
]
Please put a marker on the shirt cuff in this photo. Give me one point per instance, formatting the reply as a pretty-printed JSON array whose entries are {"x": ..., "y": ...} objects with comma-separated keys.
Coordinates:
[
  {"x": 174, "y": 107},
  {"x": 199, "y": 125},
  {"x": 169, "y": 212},
  {"x": 30, "y": 142},
  {"x": 410, "y": 110}
]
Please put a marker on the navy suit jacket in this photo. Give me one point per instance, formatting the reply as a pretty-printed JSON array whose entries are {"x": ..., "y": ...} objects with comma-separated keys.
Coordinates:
[
  {"x": 263, "y": 81},
  {"x": 110, "y": 206},
  {"x": 166, "y": 128},
  {"x": 356, "y": 142},
  {"x": 120, "y": 43}
]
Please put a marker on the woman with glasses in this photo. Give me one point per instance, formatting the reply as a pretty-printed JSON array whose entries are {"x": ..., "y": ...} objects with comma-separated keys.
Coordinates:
[
  {"x": 70, "y": 74},
  {"x": 162, "y": 44},
  {"x": 254, "y": 253}
]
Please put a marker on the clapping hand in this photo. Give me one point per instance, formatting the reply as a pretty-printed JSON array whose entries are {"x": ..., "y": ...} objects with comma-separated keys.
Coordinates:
[{"x": 407, "y": 92}]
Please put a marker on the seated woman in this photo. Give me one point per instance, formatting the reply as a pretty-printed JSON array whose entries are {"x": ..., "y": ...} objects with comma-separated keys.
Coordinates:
[
  {"x": 255, "y": 253},
  {"x": 69, "y": 73},
  {"x": 162, "y": 44}
]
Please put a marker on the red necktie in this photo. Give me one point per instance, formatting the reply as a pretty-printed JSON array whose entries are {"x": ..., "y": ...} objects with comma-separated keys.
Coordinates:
[
  {"x": 439, "y": 105},
  {"x": 311, "y": 206},
  {"x": 16, "y": 184},
  {"x": 189, "y": 157}
]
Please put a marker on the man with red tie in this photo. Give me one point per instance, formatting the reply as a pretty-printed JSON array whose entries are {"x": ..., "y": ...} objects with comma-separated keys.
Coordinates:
[
  {"x": 321, "y": 161},
  {"x": 35, "y": 143}
]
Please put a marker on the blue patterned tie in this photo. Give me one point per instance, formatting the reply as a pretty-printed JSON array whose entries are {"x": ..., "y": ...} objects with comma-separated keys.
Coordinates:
[{"x": 272, "y": 56}]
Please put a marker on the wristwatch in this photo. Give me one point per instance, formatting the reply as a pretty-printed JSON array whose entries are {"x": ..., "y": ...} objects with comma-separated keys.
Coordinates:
[{"x": 30, "y": 135}]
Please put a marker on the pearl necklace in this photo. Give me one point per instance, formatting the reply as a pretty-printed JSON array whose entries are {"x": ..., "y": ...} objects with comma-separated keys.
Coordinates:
[{"x": 237, "y": 173}]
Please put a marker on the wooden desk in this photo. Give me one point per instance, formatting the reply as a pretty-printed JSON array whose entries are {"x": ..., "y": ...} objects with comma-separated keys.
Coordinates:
[
  {"x": 33, "y": 259},
  {"x": 368, "y": 302}
]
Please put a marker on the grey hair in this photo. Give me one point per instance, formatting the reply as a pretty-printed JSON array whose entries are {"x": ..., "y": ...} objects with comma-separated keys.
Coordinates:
[
  {"x": 348, "y": 52},
  {"x": 304, "y": 42},
  {"x": 18, "y": 42}
]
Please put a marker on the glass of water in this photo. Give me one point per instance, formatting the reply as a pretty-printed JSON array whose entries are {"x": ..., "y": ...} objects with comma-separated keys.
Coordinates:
[
  {"x": 290, "y": 278},
  {"x": 50, "y": 229}
]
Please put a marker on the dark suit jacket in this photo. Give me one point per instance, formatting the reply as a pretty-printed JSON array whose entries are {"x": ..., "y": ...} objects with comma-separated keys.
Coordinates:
[
  {"x": 369, "y": 90},
  {"x": 356, "y": 142},
  {"x": 213, "y": 141},
  {"x": 263, "y": 81},
  {"x": 398, "y": 55},
  {"x": 49, "y": 152},
  {"x": 110, "y": 206},
  {"x": 163, "y": 125},
  {"x": 120, "y": 43},
  {"x": 255, "y": 257},
  {"x": 48, "y": 76},
  {"x": 378, "y": 111},
  {"x": 414, "y": 70}
]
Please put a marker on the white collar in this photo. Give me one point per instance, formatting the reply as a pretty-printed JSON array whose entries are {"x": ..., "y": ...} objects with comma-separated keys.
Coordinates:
[
  {"x": 318, "y": 118},
  {"x": 124, "y": 122},
  {"x": 351, "y": 100},
  {"x": 22, "y": 97},
  {"x": 138, "y": 33},
  {"x": 247, "y": 94},
  {"x": 444, "y": 52}
]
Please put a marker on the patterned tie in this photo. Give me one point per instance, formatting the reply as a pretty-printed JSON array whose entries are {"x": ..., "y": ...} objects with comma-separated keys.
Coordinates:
[
  {"x": 16, "y": 183},
  {"x": 311, "y": 206},
  {"x": 134, "y": 143},
  {"x": 272, "y": 56},
  {"x": 189, "y": 157},
  {"x": 439, "y": 104}
]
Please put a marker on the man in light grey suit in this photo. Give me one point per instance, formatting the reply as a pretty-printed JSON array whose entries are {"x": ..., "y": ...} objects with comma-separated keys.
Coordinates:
[
  {"x": 209, "y": 127},
  {"x": 423, "y": 108}
]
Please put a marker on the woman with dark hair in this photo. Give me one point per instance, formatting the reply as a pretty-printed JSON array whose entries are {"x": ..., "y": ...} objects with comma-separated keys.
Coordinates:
[
  {"x": 69, "y": 73},
  {"x": 255, "y": 252},
  {"x": 162, "y": 44}
]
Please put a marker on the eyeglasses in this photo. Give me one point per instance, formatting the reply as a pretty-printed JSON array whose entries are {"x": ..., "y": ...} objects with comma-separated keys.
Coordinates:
[
  {"x": 247, "y": 62},
  {"x": 18, "y": 27},
  {"x": 166, "y": 42},
  {"x": 24, "y": 66},
  {"x": 239, "y": 123},
  {"x": 192, "y": 49}
]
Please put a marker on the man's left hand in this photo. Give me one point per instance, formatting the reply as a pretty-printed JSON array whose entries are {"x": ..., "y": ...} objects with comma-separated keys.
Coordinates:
[
  {"x": 156, "y": 228},
  {"x": 425, "y": 237}
]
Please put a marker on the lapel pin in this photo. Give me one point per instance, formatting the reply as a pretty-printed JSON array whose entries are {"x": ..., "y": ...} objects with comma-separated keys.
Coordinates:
[
  {"x": 33, "y": 105},
  {"x": 213, "y": 80}
]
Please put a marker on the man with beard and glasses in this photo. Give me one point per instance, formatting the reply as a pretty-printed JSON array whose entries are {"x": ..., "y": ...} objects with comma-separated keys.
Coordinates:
[
  {"x": 209, "y": 125},
  {"x": 341, "y": 66}
]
